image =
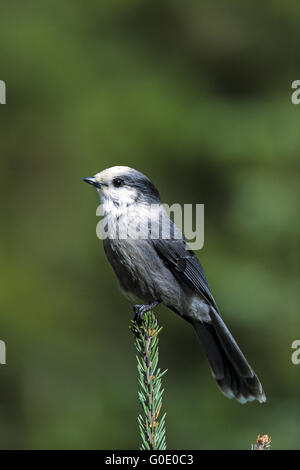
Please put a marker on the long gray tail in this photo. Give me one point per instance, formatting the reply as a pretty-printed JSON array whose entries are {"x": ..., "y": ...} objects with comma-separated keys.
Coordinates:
[{"x": 229, "y": 366}]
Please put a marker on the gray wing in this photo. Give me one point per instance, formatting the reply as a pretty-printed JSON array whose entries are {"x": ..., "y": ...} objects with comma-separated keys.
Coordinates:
[{"x": 185, "y": 266}]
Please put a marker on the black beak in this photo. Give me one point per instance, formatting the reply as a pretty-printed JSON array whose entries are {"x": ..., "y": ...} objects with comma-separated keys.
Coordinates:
[{"x": 92, "y": 181}]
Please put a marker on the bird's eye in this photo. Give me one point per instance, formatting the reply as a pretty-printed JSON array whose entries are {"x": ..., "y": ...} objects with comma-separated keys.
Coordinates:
[{"x": 117, "y": 182}]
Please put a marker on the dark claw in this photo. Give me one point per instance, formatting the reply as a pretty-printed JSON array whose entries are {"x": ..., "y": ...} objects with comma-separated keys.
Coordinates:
[{"x": 139, "y": 311}]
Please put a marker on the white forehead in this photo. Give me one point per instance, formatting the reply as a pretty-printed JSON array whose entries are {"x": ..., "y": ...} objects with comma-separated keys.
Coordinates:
[{"x": 113, "y": 172}]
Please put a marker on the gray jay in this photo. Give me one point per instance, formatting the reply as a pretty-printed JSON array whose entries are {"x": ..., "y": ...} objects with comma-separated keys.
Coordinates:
[{"x": 162, "y": 269}]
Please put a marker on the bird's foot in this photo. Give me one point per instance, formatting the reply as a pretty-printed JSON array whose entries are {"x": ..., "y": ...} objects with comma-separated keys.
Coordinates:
[{"x": 140, "y": 310}]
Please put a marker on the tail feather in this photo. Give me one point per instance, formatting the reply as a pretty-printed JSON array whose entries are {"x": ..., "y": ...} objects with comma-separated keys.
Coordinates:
[{"x": 233, "y": 374}]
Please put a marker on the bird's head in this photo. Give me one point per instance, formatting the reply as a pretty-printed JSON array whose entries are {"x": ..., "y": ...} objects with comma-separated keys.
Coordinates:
[{"x": 123, "y": 186}]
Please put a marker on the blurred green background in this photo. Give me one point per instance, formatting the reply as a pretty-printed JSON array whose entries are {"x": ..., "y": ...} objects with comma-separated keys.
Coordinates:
[{"x": 196, "y": 95}]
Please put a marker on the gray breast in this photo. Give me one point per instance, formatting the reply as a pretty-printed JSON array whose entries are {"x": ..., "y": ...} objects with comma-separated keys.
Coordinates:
[
  {"x": 130, "y": 267},
  {"x": 141, "y": 271}
]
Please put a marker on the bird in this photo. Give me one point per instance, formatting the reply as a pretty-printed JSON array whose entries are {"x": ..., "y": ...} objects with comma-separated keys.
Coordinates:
[{"x": 155, "y": 269}]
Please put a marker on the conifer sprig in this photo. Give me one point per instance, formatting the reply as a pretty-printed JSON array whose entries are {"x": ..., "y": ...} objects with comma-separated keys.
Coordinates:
[
  {"x": 151, "y": 421},
  {"x": 262, "y": 443}
]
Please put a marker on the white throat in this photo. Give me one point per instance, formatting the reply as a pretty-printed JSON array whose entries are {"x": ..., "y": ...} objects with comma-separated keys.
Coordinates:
[{"x": 129, "y": 218}]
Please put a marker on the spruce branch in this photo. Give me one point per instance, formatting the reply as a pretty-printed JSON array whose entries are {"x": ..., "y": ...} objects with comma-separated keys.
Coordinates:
[
  {"x": 262, "y": 443},
  {"x": 150, "y": 392}
]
